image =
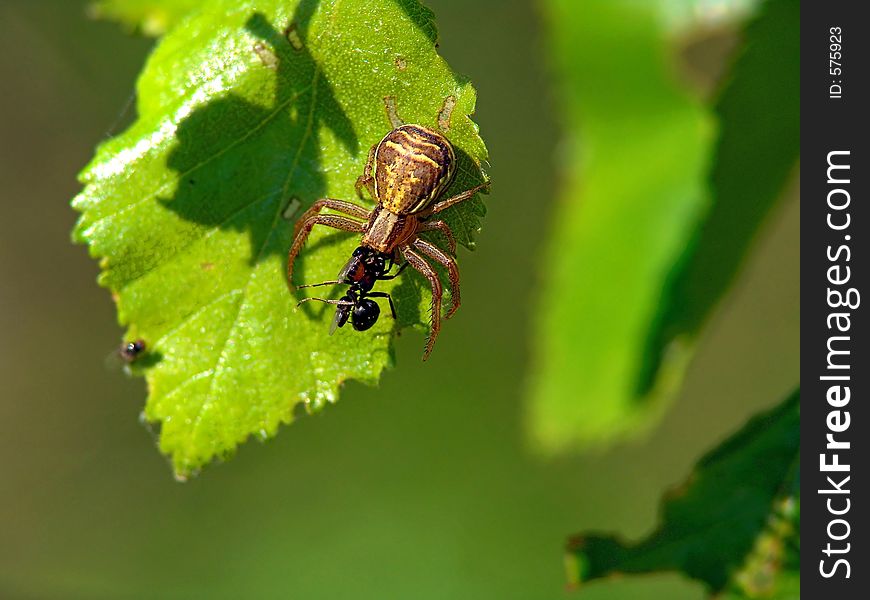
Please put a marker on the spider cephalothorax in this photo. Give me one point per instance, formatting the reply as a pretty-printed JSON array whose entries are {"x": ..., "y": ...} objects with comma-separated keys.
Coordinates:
[{"x": 406, "y": 173}]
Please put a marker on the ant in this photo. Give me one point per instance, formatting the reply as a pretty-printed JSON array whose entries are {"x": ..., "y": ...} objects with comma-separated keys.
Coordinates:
[{"x": 365, "y": 267}]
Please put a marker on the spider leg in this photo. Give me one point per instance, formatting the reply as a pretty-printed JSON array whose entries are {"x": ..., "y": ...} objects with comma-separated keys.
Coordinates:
[
  {"x": 304, "y": 228},
  {"x": 444, "y": 228},
  {"x": 366, "y": 180},
  {"x": 384, "y": 295},
  {"x": 461, "y": 197},
  {"x": 348, "y": 208},
  {"x": 419, "y": 263},
  {"x": 449, "y": 263}
]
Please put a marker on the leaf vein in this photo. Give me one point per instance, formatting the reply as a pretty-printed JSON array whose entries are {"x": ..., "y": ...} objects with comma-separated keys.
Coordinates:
[
  {"x": 223, "y": 352},
  {"x": 152, "y": 194}
]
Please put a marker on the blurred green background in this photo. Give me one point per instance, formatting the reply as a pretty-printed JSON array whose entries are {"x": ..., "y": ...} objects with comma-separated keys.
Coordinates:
[{"x": 421, "y": 488}]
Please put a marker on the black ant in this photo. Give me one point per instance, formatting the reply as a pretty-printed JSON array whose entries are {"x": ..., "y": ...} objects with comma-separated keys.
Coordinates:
[{"x": 365, "y": 267}]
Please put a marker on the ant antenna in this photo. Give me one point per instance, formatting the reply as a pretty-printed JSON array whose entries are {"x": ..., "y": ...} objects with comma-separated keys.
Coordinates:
[
  {"x": 310, "y": 285},
  {"x": 336, "y": 302}
]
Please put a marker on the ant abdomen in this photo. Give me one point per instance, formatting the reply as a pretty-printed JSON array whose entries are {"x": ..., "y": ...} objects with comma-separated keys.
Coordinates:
[
  {"x": 365, "y": 314},
  {"x": 362, "y": 312}
]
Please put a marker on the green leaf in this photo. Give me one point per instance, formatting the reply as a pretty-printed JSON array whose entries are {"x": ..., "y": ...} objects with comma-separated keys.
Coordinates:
[
  {"x": 641, "y": 248},
  {"x": 734, "y": 524},
  {"x": 758, "y": 149},
  {"x": 150, "y": 17},
  {"x": 632, "y": 193},
  {"x": 245, "y": 118}
]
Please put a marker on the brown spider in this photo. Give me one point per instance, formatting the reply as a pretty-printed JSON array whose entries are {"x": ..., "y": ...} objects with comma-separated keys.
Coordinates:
[{"x": 406, "y": 172}]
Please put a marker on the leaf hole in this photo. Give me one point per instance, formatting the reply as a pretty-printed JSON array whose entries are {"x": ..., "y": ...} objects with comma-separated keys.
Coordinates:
[
  {"x": 392, "y": 112},
  {"x": 267, "y": 57},
  {"x": 289, "y": 212},
  {"x": 446, "y": 112},
  {"x": 293, "y": 37}
]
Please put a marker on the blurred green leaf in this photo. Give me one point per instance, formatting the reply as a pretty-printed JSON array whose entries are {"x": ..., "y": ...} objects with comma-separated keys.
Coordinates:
[
  {"x": 641, "y": 266},
  {"x": 150, "y": 17},
  {"x": 245, "y": 118},
  {"x": 636, "y": 154},
  {"x": 734, "y": 524},
  {"x": 684, "y": 15},
  {"x": 758, "y": 149}
]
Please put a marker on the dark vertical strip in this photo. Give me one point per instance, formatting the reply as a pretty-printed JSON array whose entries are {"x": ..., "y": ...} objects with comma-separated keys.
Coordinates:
[{"x": 835, "y": 223}]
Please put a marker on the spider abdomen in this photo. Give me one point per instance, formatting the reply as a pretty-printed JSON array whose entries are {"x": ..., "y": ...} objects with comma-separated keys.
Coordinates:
[{"x": 413, "y": 166}]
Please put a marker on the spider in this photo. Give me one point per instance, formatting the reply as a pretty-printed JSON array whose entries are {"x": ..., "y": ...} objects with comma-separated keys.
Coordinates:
[{"x": 406, "y": 172}]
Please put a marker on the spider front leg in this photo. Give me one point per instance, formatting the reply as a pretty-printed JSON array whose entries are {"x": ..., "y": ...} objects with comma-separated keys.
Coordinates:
[
  {"x": 444, "y": 228},
  {"x": 366, "y": 180},
  {"x": 303, "y": 229},
  {"x": 419, "y": 263},
  {"x": 449, "y": 263},
  {"x": 444, "y": 204},
  {"x": 343, "y": 206}
]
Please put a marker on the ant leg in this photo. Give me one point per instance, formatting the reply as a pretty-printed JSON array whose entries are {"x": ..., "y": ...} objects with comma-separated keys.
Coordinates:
[
  {"x": 449, "y": 263},
  {"x": 394, "y": 275},
  {"x": 384, "y": 295},
  {"x": 366, "y": 180},
  {"x": 419, "y": 263},
  {"x": 461, "y": 197},
  {"x": 348, "y": 208},
  {"x": 304, "y": 228},
  {"x": 444, "y": 228}
]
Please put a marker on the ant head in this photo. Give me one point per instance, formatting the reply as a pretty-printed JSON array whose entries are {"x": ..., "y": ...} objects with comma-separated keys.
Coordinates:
[
  {"x": 371, "y": 258},
  {"x": 376, "y": 262},
  {"x": 363, "y": 268}
]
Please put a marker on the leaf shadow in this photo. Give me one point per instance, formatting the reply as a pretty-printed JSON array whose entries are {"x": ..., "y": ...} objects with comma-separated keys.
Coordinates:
[
  {"x": 422, "y": 17},
  {"x": 231, "y": 176}
]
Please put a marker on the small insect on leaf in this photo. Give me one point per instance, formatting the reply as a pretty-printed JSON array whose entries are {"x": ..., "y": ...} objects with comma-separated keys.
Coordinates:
[{"x": 130, "y": 351}]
